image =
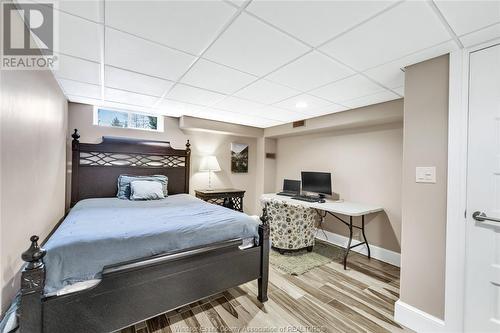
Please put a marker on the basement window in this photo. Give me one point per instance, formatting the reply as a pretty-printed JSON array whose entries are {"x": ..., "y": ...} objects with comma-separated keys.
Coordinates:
[{"x": 127, "y": 119}]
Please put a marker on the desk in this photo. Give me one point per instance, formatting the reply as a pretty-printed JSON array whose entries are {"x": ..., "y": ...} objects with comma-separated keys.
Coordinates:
[{"x": 335, "y": 208}]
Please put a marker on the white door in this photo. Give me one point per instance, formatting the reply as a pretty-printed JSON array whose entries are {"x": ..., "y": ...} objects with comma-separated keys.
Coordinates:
[{"x": 482, "y": 291}]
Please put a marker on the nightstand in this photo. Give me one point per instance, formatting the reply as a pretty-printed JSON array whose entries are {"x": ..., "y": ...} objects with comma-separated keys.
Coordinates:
[{"x": 228, "y": 197}]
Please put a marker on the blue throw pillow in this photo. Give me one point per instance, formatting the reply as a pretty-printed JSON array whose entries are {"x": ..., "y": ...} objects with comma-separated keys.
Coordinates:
[{"x": 125, "y": 180}]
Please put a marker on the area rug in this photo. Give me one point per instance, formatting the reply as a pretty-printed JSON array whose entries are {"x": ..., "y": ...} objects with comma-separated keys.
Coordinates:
[{"x": 300, "y": 262}]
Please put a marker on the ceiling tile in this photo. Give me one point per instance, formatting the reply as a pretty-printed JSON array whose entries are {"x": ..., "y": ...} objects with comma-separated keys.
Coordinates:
[
  {"x": 316, "y": 21},
  {"x": 129, "y": 52},
  {"x": 481, "y": 36},
  {"x": 91, "y": 10},
  {"x": 194, "y": 95},
  {"x": 400, "y": 90},
  {"x": 83, "y": 100},
  {"x": 215, "y": 114},
  {"x": 108, "y": 104},
  {"x": 250, "y": 113},
  {"x": 80, "y": 89},
  {"x": 404, "y": 29},
  {"x": 238, "y": 3},
  {"x": 209, "y": 75},
  {"x": 261, "y": 122},
  {"x": 120, "y": 96},
  {"x": 279, "y": 114},
  {"x": 266, "y": 92},
  {"x": 379, "y": 97},
  {"x": 79, "y": 37},
  {"x": 332, "y": 108},
  {"x": 254, "y": 47},
  {"x": 125, "y": 106},
  {"x": 237, "y": 118},
  {"x": 134, "y": 82},
  {"x": 77, "y": 69},
  {"x": 303, "y": 103},
  {"x": 347, "y": 89},
  {"x": 177, "y": 109},
  {"x": 310, "y": 71},
  {"x": 247, "y": 120},
  {"x": 238, "y": 105},
  {"x": 187, "y": 25},
  {"x": 467, "y": 16},
  {"x": 391, "y": 74}
]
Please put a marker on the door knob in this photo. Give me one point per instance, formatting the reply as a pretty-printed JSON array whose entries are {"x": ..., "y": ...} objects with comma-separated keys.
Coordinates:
[{"x": 481, "y": 217}]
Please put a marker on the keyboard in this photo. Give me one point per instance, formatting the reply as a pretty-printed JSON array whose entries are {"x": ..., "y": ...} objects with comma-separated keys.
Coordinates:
[
  {"x": 304, "y": 198},
  {"x": 286, "y": 194}
]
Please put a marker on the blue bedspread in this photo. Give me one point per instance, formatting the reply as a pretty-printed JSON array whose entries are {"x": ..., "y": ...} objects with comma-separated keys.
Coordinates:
[{"x": 100, "y": 232}]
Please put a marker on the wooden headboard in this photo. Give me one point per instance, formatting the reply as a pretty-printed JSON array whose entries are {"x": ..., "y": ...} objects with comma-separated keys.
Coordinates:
[{"x": 96, "y": 167}]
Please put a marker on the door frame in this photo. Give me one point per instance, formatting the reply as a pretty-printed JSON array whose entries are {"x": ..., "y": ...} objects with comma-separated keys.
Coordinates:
[{"x": 458, "y": 121}]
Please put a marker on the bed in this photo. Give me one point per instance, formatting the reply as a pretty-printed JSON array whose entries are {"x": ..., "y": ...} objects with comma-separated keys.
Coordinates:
[{"x": 146, "y": 257}]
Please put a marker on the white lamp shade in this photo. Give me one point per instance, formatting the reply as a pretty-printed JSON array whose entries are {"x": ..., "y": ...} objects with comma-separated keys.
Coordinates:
[{"x": 209, "y": 163}]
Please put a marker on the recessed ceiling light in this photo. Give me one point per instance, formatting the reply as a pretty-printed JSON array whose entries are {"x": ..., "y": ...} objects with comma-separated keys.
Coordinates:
[{"x": 301, "y": 105}]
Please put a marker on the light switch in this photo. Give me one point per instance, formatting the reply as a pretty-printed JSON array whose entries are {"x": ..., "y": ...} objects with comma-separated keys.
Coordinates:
[{"x": 426, "y": 175}]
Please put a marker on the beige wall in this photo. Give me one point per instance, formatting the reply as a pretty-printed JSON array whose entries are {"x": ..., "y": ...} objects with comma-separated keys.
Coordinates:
[
  {"x": 366, "y": 167},
  {"x": 203, "y": 143},
  {"x": 424, "y": 205},
  {"x": 32, "y": 146}
]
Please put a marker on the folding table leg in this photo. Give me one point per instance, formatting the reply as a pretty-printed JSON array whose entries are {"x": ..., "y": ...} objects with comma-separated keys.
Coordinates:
[
  {"x": 348, "y": 248},
  {"x": 364, "y": 236}
]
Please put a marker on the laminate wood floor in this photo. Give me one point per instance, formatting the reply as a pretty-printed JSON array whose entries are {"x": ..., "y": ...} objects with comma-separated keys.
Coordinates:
[{"x": 325, "y": 299}]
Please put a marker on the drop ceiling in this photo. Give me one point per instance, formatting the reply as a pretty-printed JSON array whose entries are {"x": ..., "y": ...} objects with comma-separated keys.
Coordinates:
[{"x": 256, "y": 63}]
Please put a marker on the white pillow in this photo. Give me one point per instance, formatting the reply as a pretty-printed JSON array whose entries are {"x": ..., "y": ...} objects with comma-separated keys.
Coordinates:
[{"x": 146, "y": 190}]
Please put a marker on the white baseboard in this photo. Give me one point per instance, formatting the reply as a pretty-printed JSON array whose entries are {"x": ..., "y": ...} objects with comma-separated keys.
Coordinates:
[
  {"x": 416, "y": 319},
  {"x": 376, "y": 252}
]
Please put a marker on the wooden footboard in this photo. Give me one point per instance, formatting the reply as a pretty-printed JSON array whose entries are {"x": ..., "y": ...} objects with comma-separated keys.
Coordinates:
[{"x": 133, "y": 291}]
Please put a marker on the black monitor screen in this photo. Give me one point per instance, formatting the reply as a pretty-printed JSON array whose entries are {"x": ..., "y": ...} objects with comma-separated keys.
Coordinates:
[
  {"x": 291, "y": 185},
  {"x": 318, "y": 182}
]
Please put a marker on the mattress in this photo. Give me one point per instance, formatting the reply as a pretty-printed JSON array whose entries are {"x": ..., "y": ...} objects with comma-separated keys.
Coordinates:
[{"x": 105, "y": 231}]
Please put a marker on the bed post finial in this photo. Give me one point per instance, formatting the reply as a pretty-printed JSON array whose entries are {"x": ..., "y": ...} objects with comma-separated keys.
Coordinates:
[
  {"x": 33, "y": 256},
  {"x": 264, "y": 218},
  {"x": 188, "y": 147},
  {"x": 76, "y": 137},
  {"x": 32, "y": 285}
]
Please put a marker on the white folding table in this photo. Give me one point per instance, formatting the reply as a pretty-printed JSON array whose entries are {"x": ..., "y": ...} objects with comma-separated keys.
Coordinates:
[{"x": 335, "y": 208}]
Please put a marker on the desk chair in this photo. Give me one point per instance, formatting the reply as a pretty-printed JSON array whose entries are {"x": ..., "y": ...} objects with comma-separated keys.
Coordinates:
[{"x": 292, "y": 226}]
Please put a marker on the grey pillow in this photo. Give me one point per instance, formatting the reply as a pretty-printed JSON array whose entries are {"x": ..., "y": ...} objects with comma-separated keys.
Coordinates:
[
  {"x": 146, "y": 190},
  {"x": 125, "y": 180}
]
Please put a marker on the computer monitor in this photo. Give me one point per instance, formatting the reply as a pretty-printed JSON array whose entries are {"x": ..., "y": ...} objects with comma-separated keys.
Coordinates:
[
  {"x": 291, "y": 186},
  {"x": 317, "y": 182}
]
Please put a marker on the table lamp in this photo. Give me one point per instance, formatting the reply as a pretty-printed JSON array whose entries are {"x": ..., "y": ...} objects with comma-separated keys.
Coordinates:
[{"x": 210, "y": 164}]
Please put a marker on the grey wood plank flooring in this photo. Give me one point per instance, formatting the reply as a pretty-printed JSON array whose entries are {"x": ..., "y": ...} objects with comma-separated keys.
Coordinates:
[{"x": 325, "y": 299}]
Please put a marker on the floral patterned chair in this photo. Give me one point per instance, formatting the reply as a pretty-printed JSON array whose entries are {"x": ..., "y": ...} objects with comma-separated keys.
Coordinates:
[{"x": 292, "y": 226}]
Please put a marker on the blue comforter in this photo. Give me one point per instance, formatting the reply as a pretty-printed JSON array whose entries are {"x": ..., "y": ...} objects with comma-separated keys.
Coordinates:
[{"x": 100, "y": 232}]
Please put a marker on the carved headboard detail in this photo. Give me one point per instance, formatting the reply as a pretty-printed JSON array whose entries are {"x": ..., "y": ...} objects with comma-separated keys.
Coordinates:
[{"x": 96, "y": 167}]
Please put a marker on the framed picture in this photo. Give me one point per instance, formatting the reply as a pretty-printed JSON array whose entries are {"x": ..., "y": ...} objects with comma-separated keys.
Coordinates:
[{"x": 239, "y": 157}]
